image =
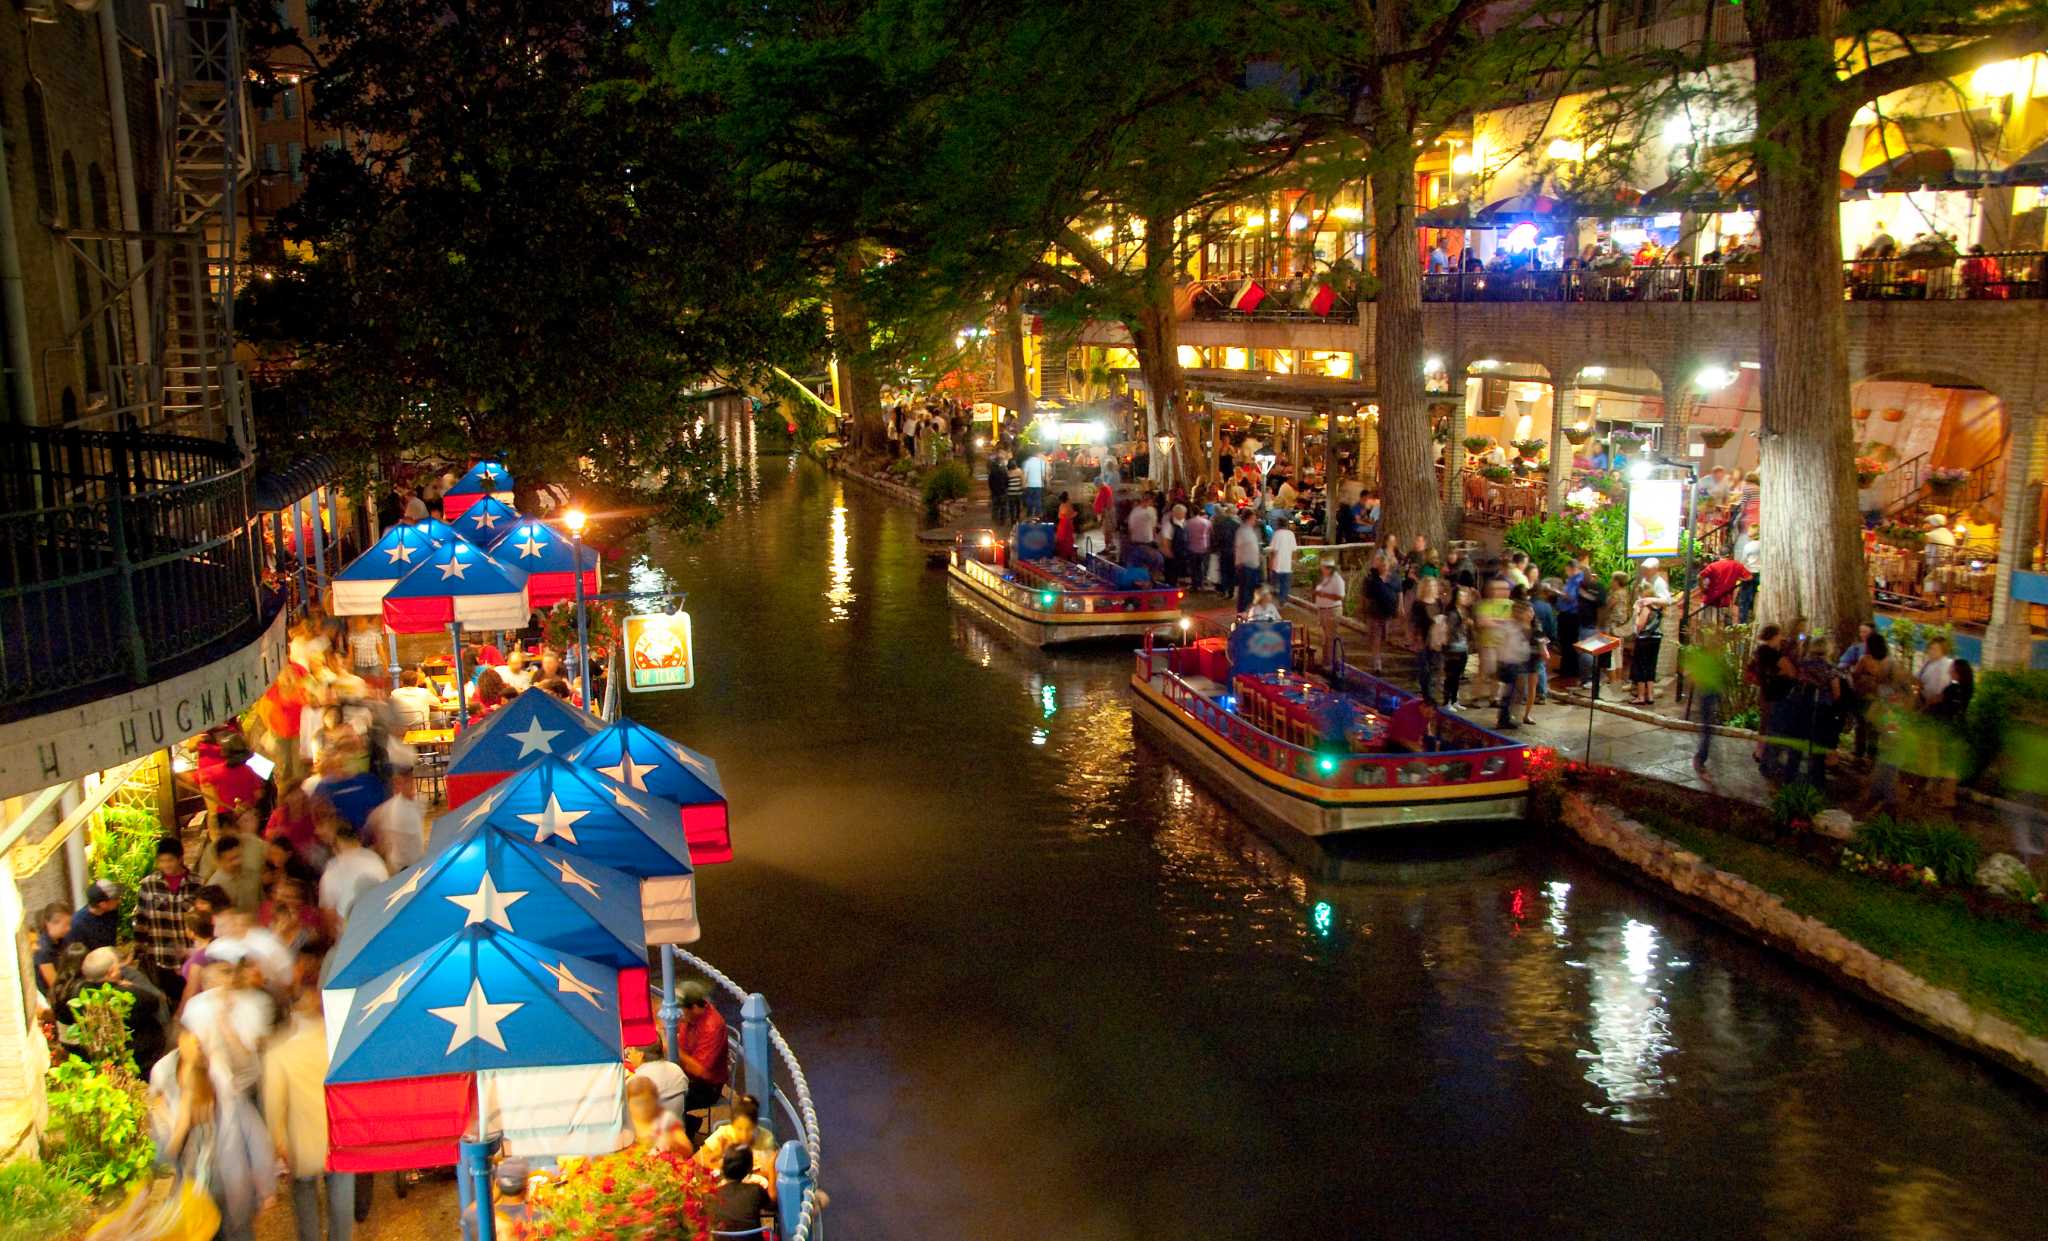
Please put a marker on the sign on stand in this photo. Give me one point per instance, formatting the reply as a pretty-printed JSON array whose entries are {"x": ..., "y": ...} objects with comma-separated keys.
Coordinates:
[
  {"x": 658, "y": 652},
  {"x": 1593, "y": 646},
  {"x": 1656, "y": 516}
]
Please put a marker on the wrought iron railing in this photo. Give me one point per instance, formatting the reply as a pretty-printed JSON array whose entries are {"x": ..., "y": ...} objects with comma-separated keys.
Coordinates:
[
  {"x": 1281, "y": 301},
  {"x": 2005, "y": 276},
  {"x": 120, "y": 553}
]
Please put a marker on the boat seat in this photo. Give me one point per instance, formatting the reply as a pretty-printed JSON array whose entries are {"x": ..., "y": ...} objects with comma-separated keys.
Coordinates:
[{"x": 1204, "y": 686}]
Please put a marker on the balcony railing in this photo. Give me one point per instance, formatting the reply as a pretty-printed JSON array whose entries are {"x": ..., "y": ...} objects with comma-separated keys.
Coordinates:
[
  {"x": 1283, "y": 302},
  {"x": 120, "y": 554},
  {"x": 2008, "y": 275}
]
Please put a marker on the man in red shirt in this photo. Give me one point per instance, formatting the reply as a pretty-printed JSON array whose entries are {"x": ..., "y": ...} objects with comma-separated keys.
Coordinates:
[
  {"x": 1718, "y": 584},
  {"x": 704, "y": 1054}
]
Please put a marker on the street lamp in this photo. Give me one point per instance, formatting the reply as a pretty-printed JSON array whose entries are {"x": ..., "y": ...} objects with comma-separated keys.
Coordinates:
[{"x": 575, "y": 519}]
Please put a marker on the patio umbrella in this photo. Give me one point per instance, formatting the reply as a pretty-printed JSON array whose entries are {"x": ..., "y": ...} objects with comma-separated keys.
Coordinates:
[
  {"x": 483, "y": 1024},
  {"x": 485, "y": 478},
  {"x": 496, "y": 879},
  {"x": 483, "y": 521},
  {"x": 1930, "y": 168},
  {"x": 458, "y": 582},
  {"x": 360, "y": 588},
  {"x": 1522, "y": 209},
  {"x": 550, "y": 560},
  {"x": 533, "y": 725},
  {"x": 645, "y": 761},
  {"x": 587, "y": 816}
]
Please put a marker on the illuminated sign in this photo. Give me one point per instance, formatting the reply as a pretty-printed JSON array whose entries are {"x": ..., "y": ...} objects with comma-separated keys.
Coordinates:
[
  {"x": 658, "y": 652},
  {"x": 1656, "y": 516}
]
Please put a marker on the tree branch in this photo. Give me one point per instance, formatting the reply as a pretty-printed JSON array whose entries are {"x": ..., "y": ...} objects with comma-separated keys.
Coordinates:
[{"x": 1883, "y": 78}]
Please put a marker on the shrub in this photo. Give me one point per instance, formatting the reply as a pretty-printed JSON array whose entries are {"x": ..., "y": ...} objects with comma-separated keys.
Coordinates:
[
  {"x": 1552, "y": 541},
  {"x": 123, "y": 843},
  {"x": 2002, "y": 701},
  {"x": 1796, "y": 804},
  {"x": 37, "y": 1204},
  {"x": 1951, "y": 854},
  {"x": 98, "y": 1138},
  {"x": 947, "y": 482}
]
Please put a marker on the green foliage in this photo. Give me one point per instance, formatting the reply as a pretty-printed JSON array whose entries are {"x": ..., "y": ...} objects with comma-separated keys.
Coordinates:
[
  {"x": 1796, "y": 804},
  {"x": 1749, "y": 717},
  {"x": 1993, "y": 963},
  {"x": 98, "y": 1136},
  {"x": 948, "y": 481},
  {"x": 2004, "y": 702},
  {"x": 1551, "y": 542},
  {"x": 1951, "y": 854},
  {"x": 102, "y": 1018},
  {"x": 123, "y": 842},
  {"x": 1714, "y": 664},
  {"x": 36, "y": 1204},
  {"x": 1909, "y": 638}
]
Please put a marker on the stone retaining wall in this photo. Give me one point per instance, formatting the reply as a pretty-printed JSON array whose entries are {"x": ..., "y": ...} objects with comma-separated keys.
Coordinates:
[
  {"x": 1748, "y": 908},
  {"x": 890, "y": 487}
]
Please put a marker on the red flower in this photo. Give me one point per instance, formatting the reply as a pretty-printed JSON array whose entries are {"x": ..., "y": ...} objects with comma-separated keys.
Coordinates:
[
  {"x": 642, "y": 1197},
  {"x": 610, "y": 1186}
]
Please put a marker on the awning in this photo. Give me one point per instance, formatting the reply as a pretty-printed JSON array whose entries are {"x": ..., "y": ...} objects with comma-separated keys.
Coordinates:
[
  {"x": 1931, "y": 168},
  {"x": 276, "y": 490},
  {"x": 2028, "y": 169}
]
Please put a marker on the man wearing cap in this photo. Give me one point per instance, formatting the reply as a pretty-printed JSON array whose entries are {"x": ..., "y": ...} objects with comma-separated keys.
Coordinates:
[
  {"x": 147, "y": 1017},
  {"x": 703, "y": 1053},
  {"x": 97, "y": 923},
  {"x": 161, "y": 900}
]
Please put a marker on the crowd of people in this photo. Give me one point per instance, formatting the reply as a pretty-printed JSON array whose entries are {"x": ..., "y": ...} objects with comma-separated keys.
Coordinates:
[{"x": 224, "y": 938}]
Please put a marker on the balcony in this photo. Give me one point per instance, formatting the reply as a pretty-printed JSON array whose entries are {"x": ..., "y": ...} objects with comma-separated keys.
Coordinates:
[
  {"x": 2006, "y": 276},
  {"x": 124, "y": 559}
]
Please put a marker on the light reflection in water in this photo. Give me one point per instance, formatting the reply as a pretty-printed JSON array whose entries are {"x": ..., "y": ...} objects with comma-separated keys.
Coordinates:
[
  {"x": 1631, "y": 1027},
  {"x": 839, "y": 593}
]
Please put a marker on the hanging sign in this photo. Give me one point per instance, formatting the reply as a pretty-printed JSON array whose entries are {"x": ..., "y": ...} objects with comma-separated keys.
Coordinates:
[
  {"x": 658, "y": 652},
  {"x": 1656, "y": 516}
]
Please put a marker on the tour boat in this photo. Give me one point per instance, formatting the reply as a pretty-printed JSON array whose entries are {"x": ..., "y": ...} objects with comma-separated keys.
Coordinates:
[
  {"x": 1048, "y": 600},
  {"x": 1322, "y": 756}
]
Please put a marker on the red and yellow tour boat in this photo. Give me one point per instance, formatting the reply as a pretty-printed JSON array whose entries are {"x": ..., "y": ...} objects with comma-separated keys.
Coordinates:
[
  {"x": 1021, "y": 585},
  {"x": 1321, "y": 755}
]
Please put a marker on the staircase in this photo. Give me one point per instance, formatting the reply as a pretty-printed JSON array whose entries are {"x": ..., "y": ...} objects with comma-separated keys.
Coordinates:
[
  {"x": 201, "y": 95},
  {"x": 1052, "y": 372},
  {"x": 1914, "y": 492}
]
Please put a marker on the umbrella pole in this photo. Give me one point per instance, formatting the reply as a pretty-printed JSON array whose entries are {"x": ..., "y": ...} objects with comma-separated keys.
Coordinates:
[
  {"x": 461, "y": 699},
  {"x": 670, "y": 1014},
  {"x": 391, "y": 636}
]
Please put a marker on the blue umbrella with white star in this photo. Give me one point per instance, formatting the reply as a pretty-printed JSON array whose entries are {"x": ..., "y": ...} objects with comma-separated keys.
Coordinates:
[
  {"x": 459, "y": 583},
  {"x": 482, "y": 522},
  {"x": 359, "y": 589},
  {"x": 533, "y": 725},
  {"x": 584, "y": 815},
  {"x": 485, "y": 478},
  {"x": 481, "y": 1022},
  {"x": 550, "y": 559},
  {"x": 498, "y": 880},
  {"x": 643, "y": 760}
]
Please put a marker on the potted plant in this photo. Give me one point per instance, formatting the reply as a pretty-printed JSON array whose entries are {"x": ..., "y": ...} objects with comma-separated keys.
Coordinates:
[
  {"x": 1578, "y": 435},
  {"x": 1868, "y": 470},
  {"x": 1716, "y": 437},
  {"x": 1895, "y": 414},
  {"x": 1529, "y": 449},
  {"x": 1627, "y": 441},
  {"x": 1476, "y": 444},
  {"x": 1496, "y": 474},
  {"x": 1945, "y": 479},
  {"x": 1861, "y": 413}
]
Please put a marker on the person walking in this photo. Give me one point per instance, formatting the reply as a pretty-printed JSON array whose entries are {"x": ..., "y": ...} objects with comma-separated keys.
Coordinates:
[
  {"x": 1426, "y": 620},
  {"x": 1329, "y": 604},
  {"x": 1652, "y": 597},
  {"x": 1197, "y": 532},
  {"x": 161, "y": 900},
  {"x": 998, "y": 490},
  {"x": 1280, "y": 557},
  {"x": 1247, "y": 554},
  {"x": 1382, "y": 604},
  {"x": 1224, "y": 539},
  {"x": 295, "y": 1110},
  {"x": 1457, "y": 610},
  {"x": 1034, "y": 485}
]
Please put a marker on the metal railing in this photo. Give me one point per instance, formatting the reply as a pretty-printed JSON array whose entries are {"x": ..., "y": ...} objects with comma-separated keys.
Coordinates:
[
  {"x": 1282, "y": 303},
  {"x": 1051, "y": 596},
  {"x": 2008, "y": 275},
  {"x": 2005, "y": 276},
  {"x": 119, "y": 553},
  {"x": 776, "y": 1079}
]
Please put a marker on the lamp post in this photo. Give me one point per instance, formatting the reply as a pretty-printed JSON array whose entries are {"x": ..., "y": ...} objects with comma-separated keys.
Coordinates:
[{"x": 575, "y": 519}]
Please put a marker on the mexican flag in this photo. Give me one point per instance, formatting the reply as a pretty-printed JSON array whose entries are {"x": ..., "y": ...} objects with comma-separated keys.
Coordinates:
[
  {"x": 1248, "y": 296},
  {"x": 1322, "y": 299}
]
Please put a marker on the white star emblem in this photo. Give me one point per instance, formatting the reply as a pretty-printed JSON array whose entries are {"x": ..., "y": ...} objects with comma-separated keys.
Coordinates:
[
  {"x": 486, "y": 520},
  {"x": 488, "y": 904},
  {"x": 570, "y": 875},
  {"x": 455, "y": 568},
  {"x": 619, "y": 796},
  {"x": 554, "y": 821},
  {"x": 475, "y": 1018},
  {"x": 530, "y": 546},
  {"x": 536, "y": 740},
  {"x": 629, "y": 773},
  {"x": 400, "y": 552},
  {"x": 388, "y": 996},
  {"x": 691, "y": 759},
  {"x": 490, "y": 471},
  {"x": 568, "y": 984},
  {"x": 405, "y": 889}
]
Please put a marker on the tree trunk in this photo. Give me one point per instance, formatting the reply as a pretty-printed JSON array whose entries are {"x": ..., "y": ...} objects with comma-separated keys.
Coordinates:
[
  {"x": 1155, "y": 338},
  {"x": 1013, "y": 356},
  {"x": 1813, "y": 564},
  {"x": 859, "y": 388},
  {"x": 1407, "y": 477}
]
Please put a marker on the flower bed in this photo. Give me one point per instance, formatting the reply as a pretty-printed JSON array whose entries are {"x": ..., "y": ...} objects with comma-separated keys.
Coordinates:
[{"x": 634, "y": 1195}]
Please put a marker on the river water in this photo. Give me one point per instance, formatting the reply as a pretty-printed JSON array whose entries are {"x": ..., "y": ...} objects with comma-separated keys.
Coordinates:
[{"x": 1045, "y": 986}]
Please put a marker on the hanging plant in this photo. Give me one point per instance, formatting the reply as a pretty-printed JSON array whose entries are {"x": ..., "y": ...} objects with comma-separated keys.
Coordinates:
[
  {"x": 1895, "y": 414},
  {"x": 1861, "y": 413},
  {"x": 1496, "y": 473},
  {"x": 1478, "y": 443},
  {"x": 1578, "y": 435},
  {"x": 1529, "y": 449},
  {"x": 1716, "y": 437},
  {"x": 1946, "y": 479}
]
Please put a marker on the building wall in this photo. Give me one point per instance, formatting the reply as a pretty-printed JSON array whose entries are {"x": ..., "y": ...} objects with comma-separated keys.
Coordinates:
[{"x": 284, "y": 135}]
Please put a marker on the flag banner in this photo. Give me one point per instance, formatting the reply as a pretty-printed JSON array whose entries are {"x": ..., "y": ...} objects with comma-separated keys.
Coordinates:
[
  {"x": 1248, "y": 296},
  {"x": 1322, "y": 299}
]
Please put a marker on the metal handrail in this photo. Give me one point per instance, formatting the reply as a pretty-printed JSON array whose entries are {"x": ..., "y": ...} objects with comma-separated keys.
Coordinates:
[{"x": 802, "y": 1114}]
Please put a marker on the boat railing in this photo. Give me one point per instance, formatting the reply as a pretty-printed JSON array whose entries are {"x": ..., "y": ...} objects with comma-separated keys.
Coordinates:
[
  {"x": 773, "y": 1075},
  {"x": 1482, "y": 757},
  {"x": 1058, "y": 598}
]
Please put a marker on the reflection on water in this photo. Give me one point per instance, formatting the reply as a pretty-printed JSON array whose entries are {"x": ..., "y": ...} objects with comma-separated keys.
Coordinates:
[{"x": 1047, "y": 984}]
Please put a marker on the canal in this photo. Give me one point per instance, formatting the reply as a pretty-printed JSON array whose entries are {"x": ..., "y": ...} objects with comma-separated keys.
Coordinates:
[{"x": 1047, "y": 987}]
